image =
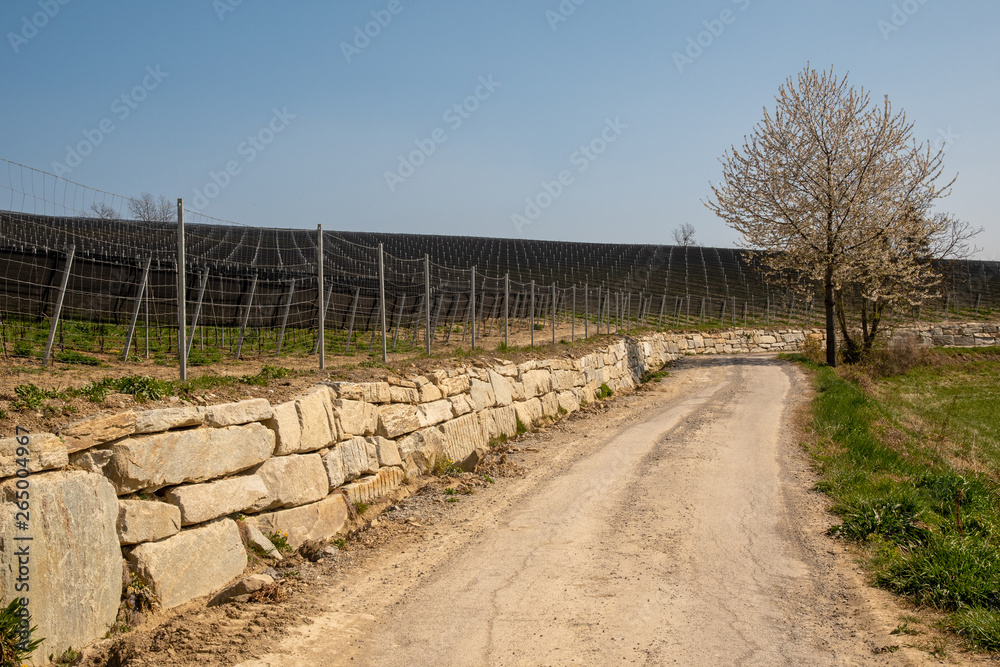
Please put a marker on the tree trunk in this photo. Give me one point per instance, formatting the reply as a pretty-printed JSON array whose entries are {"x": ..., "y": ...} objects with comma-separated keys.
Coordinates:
[{"x": 831, "y": 331}]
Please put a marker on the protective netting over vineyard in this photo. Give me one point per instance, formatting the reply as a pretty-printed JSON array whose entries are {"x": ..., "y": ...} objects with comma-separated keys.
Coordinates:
[{"x": 105, "y": 268}]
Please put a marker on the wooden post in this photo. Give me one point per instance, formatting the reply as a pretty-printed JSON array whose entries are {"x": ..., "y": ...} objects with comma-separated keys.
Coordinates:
[
  {"x": 135, "y": 310},
  {"x": 57, "y": 312}
]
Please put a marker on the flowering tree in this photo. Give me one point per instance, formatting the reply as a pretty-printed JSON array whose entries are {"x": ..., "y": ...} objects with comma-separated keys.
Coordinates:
[{"x": 834, "y": 188}]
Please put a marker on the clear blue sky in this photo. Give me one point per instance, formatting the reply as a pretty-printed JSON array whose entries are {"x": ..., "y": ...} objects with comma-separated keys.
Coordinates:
[{"x": 609, "y": 69}]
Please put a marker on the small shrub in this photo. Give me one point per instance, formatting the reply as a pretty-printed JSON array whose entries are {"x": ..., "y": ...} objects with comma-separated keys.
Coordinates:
[
  {"x": 24, "y": 349},
  {"x": 77, "y": 358},
  {"x": 280, "y": 541},
  {"x": 444, "y": 467},
  {"x": 604, "y": 391},
  {"x": 340, "y": 543},
  {"x": 30, "y": 397},
  {"x": 69, "y": 657},
  {"x": 143, "y": 388},
  {"x": 266, "y": 374},
  {"x": 539, "y": 326},
  {"x": 562, "y": 411},
  {"x": 361, "y": 507},
  {"x": 3, "y": 414},
  {"x": 521, "y": 428},
  {"x": 813, "y": 351},
  {"x": 16, "y": 642}
]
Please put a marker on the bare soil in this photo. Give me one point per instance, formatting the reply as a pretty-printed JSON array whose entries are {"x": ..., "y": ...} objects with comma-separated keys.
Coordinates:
[
  {"x": 304, "y": 374},
  {"x": 678, "y": 524}
]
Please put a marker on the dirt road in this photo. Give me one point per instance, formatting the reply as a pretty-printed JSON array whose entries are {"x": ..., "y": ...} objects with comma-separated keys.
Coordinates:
[{"x": 679, "y": 529}]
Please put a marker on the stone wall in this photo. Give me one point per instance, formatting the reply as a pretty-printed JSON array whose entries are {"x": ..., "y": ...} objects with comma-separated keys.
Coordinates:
[{"x": 154, "y": 490}]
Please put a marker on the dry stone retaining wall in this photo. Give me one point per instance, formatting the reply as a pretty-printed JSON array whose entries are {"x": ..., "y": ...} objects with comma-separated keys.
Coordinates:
[{"x": 156, "y": 488}]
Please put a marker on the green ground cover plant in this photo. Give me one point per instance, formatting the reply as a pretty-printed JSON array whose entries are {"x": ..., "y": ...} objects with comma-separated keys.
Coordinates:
[{"x": 908, "y": 447}]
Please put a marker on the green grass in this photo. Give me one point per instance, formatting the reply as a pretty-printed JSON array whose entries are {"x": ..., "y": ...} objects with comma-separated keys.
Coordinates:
[
  {"x": 17, "y": 635},
  {"x": 912, "y": 462}
]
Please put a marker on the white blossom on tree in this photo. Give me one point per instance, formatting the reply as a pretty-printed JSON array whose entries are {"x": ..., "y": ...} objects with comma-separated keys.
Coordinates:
[{"x": 836, "y": 190}]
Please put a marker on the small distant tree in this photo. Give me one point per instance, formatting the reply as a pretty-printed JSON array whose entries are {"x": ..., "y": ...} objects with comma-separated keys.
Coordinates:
[
  {"x": 104, "y": 211},
  {"x": 684, "y": 235},
  {"x": 152, "y": 209},
  {"x": 835, "y": 189}
]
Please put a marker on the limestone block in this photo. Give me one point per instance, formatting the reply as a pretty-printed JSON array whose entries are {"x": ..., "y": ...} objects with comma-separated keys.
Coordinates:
[
  {"x": 526, "y": 366},
  {"x": 529, "y": 412},
  {"x": 550, "y": 404},
  {"x": 565, "y": 380},
  {"x": 287, "y": 432},
  {"x": 568, "y": 401},
  {"x": 497, "y": 422},
  {"x": 429, "y": 393},
  {"x": 243, "y": 587},
  {"x": 369, "y": 489},
  {"x": 146, "y": 521},
  {"x": 336, "y": 472},
  {"x": 482, "y": 395},
  {"x": 516, "y": 390},
  {"x": 74, "y": 558},
  {"x": 291, "y": 481},
  {"x": 461, "y": 404},
  {"x": 97, "y": 430},
  {"x": 316, "y": 420},
  {"x": 318, "y": 521},
  {"x": 44, "y": 452},
  {"x": 158, "y": 421},
  {"x": 369, "y": 392},
  {"x": 768, "y": 340},
  {"x": 199, "y": 503},
  {"x": 399, "y": 418},
  {"x": 404, "y": 394},
  {"x": 461, "y": 436},
  {"x": 252, "y": 536},
  {"x": 356, "y": 417},
  {"x": 388, "y": 453},
  {"x": 505, "y": 369},
  {"x": 91, "y": 460},
  {"x": 501, "y": 388},
  {"x": 422, "y": 448},
  {"x": 360, "y": 457},
  {"x": 452, "y": 386},
  {"x": 195, "y": 562},
  {"x": 400, "y": 382},
  {"x": 536, "y": 383},
  {"x": 234, "y": 414},
  {"x": 181, "y": 457}
]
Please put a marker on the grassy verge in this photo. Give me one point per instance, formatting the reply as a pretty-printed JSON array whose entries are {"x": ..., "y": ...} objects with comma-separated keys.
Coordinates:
[{"x": 909, "y": 452}]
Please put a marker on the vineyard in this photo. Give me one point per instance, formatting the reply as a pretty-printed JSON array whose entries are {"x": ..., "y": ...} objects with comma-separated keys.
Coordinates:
[{"x": 78, "y": 277}]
